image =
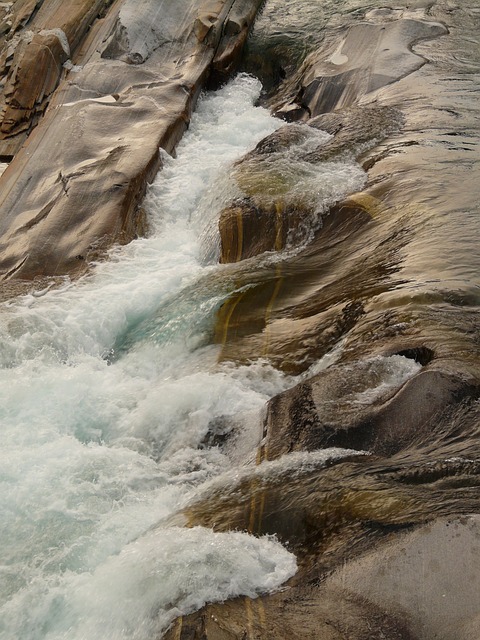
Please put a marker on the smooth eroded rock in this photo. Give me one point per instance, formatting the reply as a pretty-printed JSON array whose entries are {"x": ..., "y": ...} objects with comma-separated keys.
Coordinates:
[
  {"x": 296, "y": 614},
  {"x": 351, "y": 406},
  {"x": 430, "y": 576},
  {"x": 362, "y": 60},
  {"x": 76, "y": 186}
]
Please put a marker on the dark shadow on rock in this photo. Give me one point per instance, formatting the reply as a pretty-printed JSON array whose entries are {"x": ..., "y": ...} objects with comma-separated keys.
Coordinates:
[
  {"x": 362, "y": 60},
  {"x": 328, "y": 411}
]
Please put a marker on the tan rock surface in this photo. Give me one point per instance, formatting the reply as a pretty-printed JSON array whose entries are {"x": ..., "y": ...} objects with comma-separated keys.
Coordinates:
[
  {"x": 281, "y": 198},
  {"x": 365, "y": 58},
  {"x": 363, "y": 520},
  {"x": 76, "y": 185},
  {"x": 432, "y": 576},
  {"x": 357, "y": 280}
]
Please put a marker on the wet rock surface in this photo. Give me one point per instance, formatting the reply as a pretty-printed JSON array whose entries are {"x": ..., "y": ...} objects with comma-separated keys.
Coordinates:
[
  {"x": 77, "y": 183},
  {"x": 341, "y": 521},
  {"x": 316, "y": 613},
  {"x": 282, "y": 180},
  {"x": 343, "y": 408},
  {"x": 367, "y": 57},
  {"x": 359, "y": 277},
  {"x": 368, "y": 288},
  {"x": 385, "y": 294}
]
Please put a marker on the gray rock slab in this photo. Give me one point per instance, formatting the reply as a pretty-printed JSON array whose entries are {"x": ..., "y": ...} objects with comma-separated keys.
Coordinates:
[{"x": 431, "y": 575}]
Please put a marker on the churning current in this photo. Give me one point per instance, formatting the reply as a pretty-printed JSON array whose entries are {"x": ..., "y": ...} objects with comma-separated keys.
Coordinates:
[{"x": 107, "y": 390}]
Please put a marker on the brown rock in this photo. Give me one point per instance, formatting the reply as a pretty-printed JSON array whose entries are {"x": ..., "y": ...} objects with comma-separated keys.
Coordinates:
[
  {"x": 235, "y": 32},
  {"x": 25, "y": 90},
  {"x": 34, "y": 60},
  {"x": 76, "y": 186},
  {"x": 296, "y": 614},
  {"x": 320, "y": 321},
  {"x": 323, "y": 412},
  {"x": 247, "y": 230},
  {"x": 368, "y": 56}
]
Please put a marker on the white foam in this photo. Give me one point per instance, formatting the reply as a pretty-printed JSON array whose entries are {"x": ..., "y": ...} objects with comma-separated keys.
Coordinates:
[
  {"x": 294, "y": 178},
  {"x": 137, "y": 594},
  {"x": 382, "y": 374},
  {"x": 290, "y": 465},
  {"x": 107, "y": 390}
]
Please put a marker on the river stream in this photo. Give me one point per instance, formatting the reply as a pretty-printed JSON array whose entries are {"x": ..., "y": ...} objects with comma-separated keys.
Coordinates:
[
  {"x": 98, "y": 447},
  {"x": 116, "y": 390},
  {"x": 109, "y": 389}
]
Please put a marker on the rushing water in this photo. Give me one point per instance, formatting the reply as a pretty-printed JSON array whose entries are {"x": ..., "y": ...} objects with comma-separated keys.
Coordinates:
[
  {"x": 98, "y": 447},
  {"x": 110, "y": 391}
]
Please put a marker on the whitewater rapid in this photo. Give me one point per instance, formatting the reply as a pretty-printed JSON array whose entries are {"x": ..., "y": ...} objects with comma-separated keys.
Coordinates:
[
  {"x": 95, "y": 453},
  {"x": 108, "y": 388}
]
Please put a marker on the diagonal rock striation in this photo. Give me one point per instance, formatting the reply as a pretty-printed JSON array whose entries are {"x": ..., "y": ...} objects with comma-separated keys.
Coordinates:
[{"x": 76, "y": 186}]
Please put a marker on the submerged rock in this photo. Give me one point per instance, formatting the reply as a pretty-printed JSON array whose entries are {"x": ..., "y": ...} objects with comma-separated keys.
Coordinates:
[{"x": 289, "y": 185}]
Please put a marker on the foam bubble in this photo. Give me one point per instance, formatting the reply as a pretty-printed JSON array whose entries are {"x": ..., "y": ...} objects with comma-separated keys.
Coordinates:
[{"x": 382, "y": 374}]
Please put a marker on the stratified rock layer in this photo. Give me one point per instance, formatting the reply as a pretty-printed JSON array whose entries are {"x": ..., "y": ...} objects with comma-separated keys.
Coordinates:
[{"x": 38, "y": 38}]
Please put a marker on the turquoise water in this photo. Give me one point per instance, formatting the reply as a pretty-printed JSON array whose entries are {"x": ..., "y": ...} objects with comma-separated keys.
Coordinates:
[
  {"x": 110, "y": 388},
  {"x": 107, "y": 390}
]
